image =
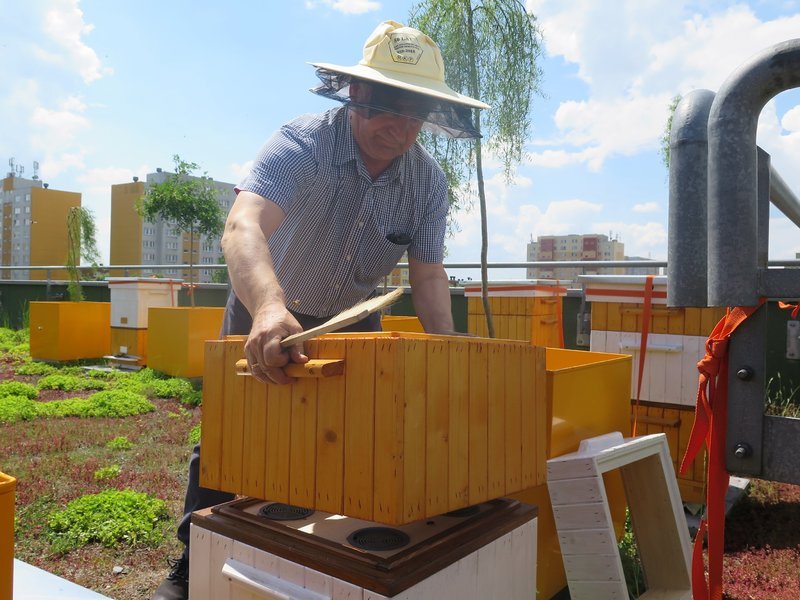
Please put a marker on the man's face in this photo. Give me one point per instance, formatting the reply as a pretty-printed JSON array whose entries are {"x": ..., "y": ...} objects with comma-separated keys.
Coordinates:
[{"x": 382, "y": 135}]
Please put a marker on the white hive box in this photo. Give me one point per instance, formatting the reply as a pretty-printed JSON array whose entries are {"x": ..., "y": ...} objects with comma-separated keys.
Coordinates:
[{"x": 131, "y": 297}]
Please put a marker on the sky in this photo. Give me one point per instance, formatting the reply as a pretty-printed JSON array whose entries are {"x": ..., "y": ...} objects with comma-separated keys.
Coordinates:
[{"x": 100, "y": 91}]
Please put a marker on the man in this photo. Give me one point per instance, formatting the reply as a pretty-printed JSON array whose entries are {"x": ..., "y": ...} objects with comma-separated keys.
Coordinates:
[{"x": 330, "y": 206}]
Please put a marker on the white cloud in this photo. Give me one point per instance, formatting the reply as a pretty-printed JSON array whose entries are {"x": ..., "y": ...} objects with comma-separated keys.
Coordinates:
[
  {"x": 646, "y": 207},
  {"x": 349, "y": 7},
  {"x": 240, "y": 171},
  {"x": 63, "y": 23},
  {"x": 648, "y": 240},
  {"x": 634, "y": 57}
]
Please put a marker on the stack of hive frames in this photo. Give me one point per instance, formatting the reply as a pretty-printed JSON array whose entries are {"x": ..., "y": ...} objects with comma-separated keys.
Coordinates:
[
  {"x": 675, "y": 343},
  {"x": 417, "y": 425},
  {"x": 525, "y": 310}
]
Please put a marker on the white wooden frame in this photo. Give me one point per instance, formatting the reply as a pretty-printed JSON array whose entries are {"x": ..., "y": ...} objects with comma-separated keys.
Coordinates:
[{"x": 586, "y": 532}]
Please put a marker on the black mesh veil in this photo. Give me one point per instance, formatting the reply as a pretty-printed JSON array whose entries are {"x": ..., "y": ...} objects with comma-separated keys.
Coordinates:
[{"x": 438, "y": 116}]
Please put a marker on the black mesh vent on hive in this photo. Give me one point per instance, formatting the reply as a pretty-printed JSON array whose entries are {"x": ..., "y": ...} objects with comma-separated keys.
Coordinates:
[
  {"x": 378, "y": 539},
  {"x": 284, "y": 512}
]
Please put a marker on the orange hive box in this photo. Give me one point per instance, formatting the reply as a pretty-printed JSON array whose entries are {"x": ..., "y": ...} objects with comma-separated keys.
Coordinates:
[
  {"x": 417, "y": 425},
  {"x": 528, "y": 310}
]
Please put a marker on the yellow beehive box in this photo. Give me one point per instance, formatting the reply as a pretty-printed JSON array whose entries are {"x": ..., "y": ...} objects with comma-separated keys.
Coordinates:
[
  {"x": 7, "y": 486},
  {"x": 618, "y": 305},
  {"x": 176, "y": 338},
  {"x": 401, "y": 323},
  {"x": 64, "y": 331},
  {"x": 417, "y": 425},
  {"x": 528, "y": 310},
  {"x": 132, "y": 342}
]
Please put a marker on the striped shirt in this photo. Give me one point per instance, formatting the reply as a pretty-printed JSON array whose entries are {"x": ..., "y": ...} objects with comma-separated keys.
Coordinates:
[{"x": 331, "y": 250}]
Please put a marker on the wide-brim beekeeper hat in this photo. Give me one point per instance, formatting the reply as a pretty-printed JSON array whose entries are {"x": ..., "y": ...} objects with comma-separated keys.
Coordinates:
[{"x": 405, "y": 63}]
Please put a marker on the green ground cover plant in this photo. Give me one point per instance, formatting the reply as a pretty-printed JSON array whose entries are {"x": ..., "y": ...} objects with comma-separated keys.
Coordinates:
[{"x": 111, "y": 518}]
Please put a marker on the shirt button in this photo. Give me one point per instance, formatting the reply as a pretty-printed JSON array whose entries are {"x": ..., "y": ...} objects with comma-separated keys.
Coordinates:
[
  {"x": 361, "y": 223},
  {"x": 336, "y": 286},
  {"x": 347, "y": 258}
]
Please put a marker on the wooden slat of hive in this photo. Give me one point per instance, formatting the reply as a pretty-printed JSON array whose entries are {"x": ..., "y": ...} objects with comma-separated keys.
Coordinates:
[
  {"x": 211, "y": 432},
  {"x": 359, "y": 427},
  {"x": 436, "y": 428},
  {"x": 458, "y": 417},
  {"x": 233, "y": 421},
  {"x": 389, "y": 436}
]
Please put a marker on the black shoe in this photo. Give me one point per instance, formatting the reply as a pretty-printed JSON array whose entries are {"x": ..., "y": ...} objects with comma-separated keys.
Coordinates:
[{"x": 176, "y": 585}]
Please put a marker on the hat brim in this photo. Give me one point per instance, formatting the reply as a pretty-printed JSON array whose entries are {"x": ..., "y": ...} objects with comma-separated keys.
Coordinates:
[{"x": 419, "y": 85}]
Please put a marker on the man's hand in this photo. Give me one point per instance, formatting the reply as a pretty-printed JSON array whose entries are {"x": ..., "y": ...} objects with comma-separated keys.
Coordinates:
[{"x": 271, "y": 324}]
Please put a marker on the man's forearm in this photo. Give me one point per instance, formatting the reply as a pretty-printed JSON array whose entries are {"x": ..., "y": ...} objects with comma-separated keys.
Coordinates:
[
  {"x": 250, "y": 266},
  {"x": 430, "y": 290}
]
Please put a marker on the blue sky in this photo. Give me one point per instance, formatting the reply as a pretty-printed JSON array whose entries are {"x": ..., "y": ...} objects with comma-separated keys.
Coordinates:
[{"x": 99, "y": 91}]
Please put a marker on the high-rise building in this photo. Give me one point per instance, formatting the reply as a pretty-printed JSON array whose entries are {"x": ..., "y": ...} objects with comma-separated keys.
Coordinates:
[
  {"x": 560, "y": 248},
  {"x": 135, "y": 241},
  {"x": 34, "y": 230}
]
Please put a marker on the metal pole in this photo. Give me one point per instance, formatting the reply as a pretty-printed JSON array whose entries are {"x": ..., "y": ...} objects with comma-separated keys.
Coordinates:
[
  {"x": 687, "y": 279},
  {"x": 732, "y": 171}
]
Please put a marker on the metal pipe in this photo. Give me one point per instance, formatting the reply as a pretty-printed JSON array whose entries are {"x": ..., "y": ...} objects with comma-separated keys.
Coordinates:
[
  {"x": 687, "y": 279},
  {"x": 783, "y": 197},
  {"x": 732, "y": 171}
]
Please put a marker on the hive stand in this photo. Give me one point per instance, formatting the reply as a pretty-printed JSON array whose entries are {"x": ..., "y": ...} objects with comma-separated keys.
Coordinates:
[{"x": 583, "y": 520}]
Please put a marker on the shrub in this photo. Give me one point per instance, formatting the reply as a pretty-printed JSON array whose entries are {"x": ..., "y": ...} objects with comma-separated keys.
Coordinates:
[
  {"x": 17, "y": 408},
  {"x": 119, "y": 443},
  {"x": 111, "y": 518},
  {"x": 109, "y": 472},
  {"x": 17, "y": 388},
  {"x": 69, "y": 383}
]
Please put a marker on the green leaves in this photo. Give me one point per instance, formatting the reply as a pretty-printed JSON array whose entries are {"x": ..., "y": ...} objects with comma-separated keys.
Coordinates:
[
  {"x": 111, "y": 518},
  {"x": 81, "y": 244}
]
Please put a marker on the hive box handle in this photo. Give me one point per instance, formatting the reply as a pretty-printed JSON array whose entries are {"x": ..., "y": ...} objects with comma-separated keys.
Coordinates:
[{"x": 316, "y": 367}]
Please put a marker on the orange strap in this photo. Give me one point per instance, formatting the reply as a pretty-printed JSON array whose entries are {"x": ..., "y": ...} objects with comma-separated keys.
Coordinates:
[
  {"x": 559, "y": 315},
  {"x": 648, "y": 305},
  {"x": 709, "y": 428},
  {"x": 795, "y": 308}
]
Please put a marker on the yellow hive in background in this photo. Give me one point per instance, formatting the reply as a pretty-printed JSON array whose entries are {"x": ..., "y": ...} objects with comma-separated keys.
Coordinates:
[
  {"x": 64, "y": 331},
  {"x": 527, "y": 310},
  {"x": 7, "y": 486},
  {"x": 401, "y": 323},
  {"x": 416, "y": 426},
  {"x": 675, "y": 343},
  {"x": 176, "y": 338}
]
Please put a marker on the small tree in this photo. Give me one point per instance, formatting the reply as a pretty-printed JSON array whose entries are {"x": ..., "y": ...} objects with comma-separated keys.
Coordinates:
[
  {"x": 81, "y": 244},
  {"x": 491, "y": 48},
  {"x": 189, "y": 202}
]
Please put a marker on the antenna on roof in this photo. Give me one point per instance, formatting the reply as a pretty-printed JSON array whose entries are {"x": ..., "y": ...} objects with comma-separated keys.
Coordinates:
[{"x": 36, "y": 169}]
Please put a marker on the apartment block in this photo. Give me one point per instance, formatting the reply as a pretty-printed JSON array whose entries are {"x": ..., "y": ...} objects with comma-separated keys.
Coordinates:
[
  {"x": 135, "y": 241},
  {"x": 34, "y": 228},
  {"x": 562, "y": 248}
]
